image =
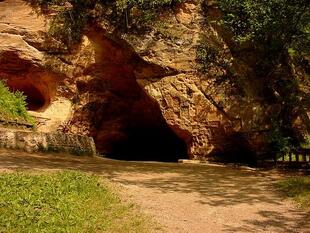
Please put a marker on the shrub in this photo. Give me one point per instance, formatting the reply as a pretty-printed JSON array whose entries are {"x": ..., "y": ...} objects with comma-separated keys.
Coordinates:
[
  {"x": 210, "y": 56},
  {"x": 13, "y": 105},
  {"x": 280, "y": 143},
  {"x": 73, "y": 16}
]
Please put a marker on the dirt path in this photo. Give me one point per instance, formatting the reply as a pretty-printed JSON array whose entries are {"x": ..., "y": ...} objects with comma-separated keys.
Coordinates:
[{"x": 186, "y": 198}]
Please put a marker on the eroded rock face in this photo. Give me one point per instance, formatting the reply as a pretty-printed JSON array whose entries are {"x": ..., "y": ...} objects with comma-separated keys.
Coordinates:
[
  {"x": 139, "y": 97},
  {"x": 212, "y": 117},
  {"x": 21, "y": 64},
  {"x": 99, "y": 78},
  {"x": 124, "y": 121}
]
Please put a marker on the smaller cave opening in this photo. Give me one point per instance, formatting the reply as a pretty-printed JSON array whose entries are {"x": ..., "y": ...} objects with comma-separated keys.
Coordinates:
[
  {"x": 239, "y": 151},
  {"x": 150, "y": 143},
  {"x": 34, "y": 98}
]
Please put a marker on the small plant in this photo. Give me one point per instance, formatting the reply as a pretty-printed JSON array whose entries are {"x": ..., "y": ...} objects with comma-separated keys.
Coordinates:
[
  {"x": 13, "y": 105},
  {"x": 169, "y": 32},
  {"x": 280, "y": 143},
  {"x": 210, "y": 56},
  {"x": 306, "y": 142}
]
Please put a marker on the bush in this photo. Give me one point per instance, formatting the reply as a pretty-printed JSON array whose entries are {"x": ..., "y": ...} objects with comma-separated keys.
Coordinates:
[
  {"x": 13, "y": 105},
  {"x": 280, "y": 142},
  {"x": 210, "y": 56},
  {"x": 73, "y": 16}
]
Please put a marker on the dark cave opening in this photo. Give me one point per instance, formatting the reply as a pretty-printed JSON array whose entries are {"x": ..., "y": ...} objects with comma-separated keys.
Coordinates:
[
  {"x": 149, "y": 144},
  {"x": 34, "y": 98},
  {"x": 125, "y": 121},
  {"x": 239, "y": 151}
]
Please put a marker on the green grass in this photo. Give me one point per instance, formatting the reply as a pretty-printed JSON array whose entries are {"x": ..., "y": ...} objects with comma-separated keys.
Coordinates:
[
  {"x": 306, "y": 143},
  {"x": 63, "y": 202},
  {"x": 297, "y": 188},
  {"x": 13, "y": 106},
  {"x": 293, "y": 158}
]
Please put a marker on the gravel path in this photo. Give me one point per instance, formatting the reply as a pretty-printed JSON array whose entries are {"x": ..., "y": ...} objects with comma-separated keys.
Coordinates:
[{"x": 186, "y": 198}]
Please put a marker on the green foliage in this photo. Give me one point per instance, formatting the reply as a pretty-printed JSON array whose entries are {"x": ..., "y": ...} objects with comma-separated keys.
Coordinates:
[
  {"x": 13, "y": 105},
  {"x": 279, "y": 142},
  {"x": 278, "y": 31},
  {"x": 144, "y": 4},
  {"x": 274, "y": 24},
  {"x": 62, "y": 202},
  {"x": 169, "y": 31},
  {"x": 306, "y": 142},
  {"x": 297, "y": 188},
  {"x": 209, "y": 56},
  {"x": 74, "y": 15}
]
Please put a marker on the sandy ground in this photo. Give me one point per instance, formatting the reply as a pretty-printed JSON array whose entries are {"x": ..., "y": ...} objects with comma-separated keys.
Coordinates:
[
  {"x": 184, "y": 197},
  {"x": 57, "y": 113}
]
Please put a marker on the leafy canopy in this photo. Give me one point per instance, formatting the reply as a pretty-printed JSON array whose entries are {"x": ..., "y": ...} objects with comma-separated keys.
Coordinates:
[
  {"x": 72, "y": 16},
  {"x": 274, "y": 24},
  {"x": 279, "y": 31}
]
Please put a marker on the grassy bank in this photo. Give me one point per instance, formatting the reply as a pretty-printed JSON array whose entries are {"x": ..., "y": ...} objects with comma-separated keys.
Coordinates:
[
  {"x": 13, "y": 106},
  {"x": 297, "y": 188},
  {"x": 63, "y": 202}
]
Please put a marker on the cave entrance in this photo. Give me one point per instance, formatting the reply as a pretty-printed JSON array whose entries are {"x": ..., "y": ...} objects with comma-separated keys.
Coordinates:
[
  {"x": 150, "y": 143},
  {"x": 34, "y": 97},
  {"x": 238, "y": 151},
  {"x": 126, "y": 122},
  {"x": 138, "y": 131}
]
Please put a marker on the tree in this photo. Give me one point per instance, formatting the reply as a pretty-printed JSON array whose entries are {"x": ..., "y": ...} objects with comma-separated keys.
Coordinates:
[
  {"x": 278, "y": 30},
  {"x": 276, "y": 25}
]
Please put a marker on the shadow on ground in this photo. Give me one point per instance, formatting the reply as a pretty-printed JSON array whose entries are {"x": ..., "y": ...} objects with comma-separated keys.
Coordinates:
[{"x": 216, "y": 186}]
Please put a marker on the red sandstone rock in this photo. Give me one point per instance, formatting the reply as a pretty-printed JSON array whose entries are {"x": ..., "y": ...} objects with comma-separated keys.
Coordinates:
[{"x": 144, "y": 99}]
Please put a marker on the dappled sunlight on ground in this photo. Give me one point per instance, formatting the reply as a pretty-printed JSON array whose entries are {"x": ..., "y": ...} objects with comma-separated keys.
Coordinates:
[{"x": 185, "y": 197}]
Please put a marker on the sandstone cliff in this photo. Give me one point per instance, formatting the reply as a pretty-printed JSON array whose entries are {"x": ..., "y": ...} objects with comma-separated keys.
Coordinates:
[{"x": 140, "y": 97}]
